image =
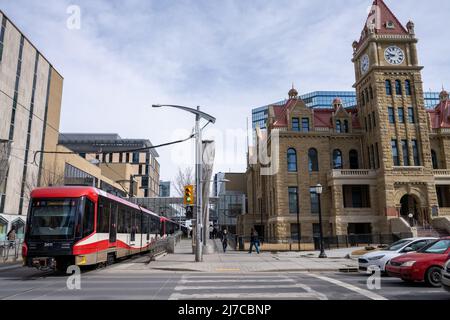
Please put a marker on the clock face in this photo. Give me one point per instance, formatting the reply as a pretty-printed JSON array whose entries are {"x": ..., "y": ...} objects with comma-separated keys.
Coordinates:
[
  {"x": 365, "y": 63},
  {"x": 394, "y": 55}
]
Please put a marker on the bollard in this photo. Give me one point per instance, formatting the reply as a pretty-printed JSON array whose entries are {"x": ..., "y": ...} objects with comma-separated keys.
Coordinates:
[{"x": 171, "y": 245}]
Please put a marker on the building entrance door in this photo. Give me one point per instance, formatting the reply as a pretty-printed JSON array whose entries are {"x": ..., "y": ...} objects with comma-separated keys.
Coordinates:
[{"x": 411, "y": 211}]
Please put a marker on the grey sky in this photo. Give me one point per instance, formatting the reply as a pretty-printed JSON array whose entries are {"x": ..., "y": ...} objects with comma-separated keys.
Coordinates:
[{"x": 227, "y": 56}]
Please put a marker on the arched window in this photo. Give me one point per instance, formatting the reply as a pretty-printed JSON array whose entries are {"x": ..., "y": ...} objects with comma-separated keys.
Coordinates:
[
  {"x": 338, "y": 126},
  {"x": 353, "y": 156},
  {"x": 337, "y": 159},
  {"x": 408, "y": 87},
  {"x": 398, "y": 87},
  {"x": 388, "y": 88},
  {"x": 346, "y": 126},
  {"x": 313, "y": 160},
  {"x": 292, "y": 160},
  {"x": 371, "y": 92},
  {"x": 434, "y": 159}
]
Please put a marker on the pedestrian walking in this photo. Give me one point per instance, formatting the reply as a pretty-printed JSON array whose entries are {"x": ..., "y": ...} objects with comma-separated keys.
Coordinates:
[
  {"x": 254, "y": 241},
  {"x": 11, "y": 236},
  {"x": 225, "y": 240}
]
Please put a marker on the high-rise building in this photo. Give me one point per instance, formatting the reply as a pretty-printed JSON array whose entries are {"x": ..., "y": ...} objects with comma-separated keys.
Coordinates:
[
  {"x": 164, "y": 189},
  {"x": 30, "y": 104},
  {"x": 384, "y": 164},
  {"x": 117, "y": 161}
]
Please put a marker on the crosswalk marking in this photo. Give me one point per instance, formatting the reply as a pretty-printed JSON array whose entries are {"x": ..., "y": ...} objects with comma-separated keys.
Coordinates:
[
  {"x": 250, "y": 296},
  {"x": 184, "y": 281},
  {"x": 193, "y": 287},
  {"x": 215, "y": 287}
]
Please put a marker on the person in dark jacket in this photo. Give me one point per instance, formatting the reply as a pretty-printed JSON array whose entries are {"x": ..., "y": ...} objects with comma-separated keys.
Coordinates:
[
  {"x": 254, "y": 241},
  {"x": 225, "y": 240}
]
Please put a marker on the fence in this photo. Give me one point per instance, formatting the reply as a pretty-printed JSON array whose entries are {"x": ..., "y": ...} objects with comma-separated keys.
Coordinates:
[
  {"x": 10, "y": 250},
  {"x": 333, "y": 242}
]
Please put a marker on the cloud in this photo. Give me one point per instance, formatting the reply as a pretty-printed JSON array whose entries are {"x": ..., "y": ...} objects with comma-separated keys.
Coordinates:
[{"x": 227, "y": 56}]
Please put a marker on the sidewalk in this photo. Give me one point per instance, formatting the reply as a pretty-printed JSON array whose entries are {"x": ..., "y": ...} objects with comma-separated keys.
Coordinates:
[{"x": 238, "y": 261}]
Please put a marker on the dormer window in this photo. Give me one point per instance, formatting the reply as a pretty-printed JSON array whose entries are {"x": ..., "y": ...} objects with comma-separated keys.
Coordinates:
[{"x": 390, "y": 25}]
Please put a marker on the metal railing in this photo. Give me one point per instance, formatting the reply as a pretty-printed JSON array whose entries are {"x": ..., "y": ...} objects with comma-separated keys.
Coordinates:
[
  {"x": 333, "y": 242},
  {"x": 10, "y": 250},
  {"x": 165, "y": 245}
]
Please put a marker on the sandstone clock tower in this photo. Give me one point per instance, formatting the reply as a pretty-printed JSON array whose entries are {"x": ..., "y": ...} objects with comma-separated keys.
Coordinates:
[{"x": 392, "y": 113}]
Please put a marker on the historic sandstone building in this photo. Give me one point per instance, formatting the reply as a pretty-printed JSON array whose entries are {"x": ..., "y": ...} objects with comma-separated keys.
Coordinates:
[{"x": 384, "y": 165}]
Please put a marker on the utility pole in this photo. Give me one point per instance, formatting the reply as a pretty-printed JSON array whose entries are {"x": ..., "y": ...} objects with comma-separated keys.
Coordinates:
[
  {"x": 198, "y": 189},
  {"x": 198, "y": 168}
]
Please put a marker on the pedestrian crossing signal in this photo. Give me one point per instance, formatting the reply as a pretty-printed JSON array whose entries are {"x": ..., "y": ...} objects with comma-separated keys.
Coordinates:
[
  {"x": 189, "y": 195},
  {"x": 189, "y": 213}
]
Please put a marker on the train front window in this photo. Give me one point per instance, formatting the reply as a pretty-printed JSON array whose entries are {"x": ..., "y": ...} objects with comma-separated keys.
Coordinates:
[{"x": 54, "y": 218}]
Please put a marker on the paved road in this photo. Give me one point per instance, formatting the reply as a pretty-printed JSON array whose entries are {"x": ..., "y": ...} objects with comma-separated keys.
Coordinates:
[{"x": 119, "y": 283}]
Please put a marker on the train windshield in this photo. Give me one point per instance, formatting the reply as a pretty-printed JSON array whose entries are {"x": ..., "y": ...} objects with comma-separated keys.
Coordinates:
[{"x": 53, "y": 218}]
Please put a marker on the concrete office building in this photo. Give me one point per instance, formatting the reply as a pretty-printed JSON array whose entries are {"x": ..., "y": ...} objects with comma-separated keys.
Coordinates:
[
  {"x": 109, "y": 151},
  {"x": 30, "y": 102}
]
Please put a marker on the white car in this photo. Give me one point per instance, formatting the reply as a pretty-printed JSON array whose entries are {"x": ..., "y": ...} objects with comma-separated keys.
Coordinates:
[
  {"x": 379, "y": 258},
  {"x": 446, "y": 276}
]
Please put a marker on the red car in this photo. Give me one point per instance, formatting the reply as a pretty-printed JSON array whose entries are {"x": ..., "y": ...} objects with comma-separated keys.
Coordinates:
[{"x": 425, "y": 265}]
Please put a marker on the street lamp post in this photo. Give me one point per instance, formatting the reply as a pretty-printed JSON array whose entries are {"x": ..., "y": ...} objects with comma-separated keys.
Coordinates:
[
  {"x": 198, "y": 170},
  {"x": 318, "y": 190}
]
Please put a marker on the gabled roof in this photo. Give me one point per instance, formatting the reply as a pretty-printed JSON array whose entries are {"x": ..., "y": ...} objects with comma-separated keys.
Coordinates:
[
  {"x": 379, "y": 16},
  {"x": 440, "y": 116},
  {"x": 322, "y": 117}
]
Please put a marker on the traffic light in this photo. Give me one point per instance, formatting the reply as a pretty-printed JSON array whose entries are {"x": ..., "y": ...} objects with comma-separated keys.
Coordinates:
[
  {"x": 189, "y": 213},
  {"x": 189, "y": 195}
]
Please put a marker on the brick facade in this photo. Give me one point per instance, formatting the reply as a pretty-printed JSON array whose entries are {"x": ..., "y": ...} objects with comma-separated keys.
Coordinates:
[{"x": 370, "y": 193}]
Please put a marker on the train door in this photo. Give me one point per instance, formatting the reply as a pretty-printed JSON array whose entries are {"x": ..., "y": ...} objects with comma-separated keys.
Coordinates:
[{"x": 113, "y": 224}]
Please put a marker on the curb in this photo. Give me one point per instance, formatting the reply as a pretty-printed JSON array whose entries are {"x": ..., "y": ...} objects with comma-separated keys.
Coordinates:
[
  {"x": 10, "y": 266},
  {"x": 343, "y": 270}
]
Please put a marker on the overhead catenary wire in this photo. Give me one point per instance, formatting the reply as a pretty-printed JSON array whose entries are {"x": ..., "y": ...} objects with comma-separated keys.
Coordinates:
[
  {"x": 99, "y": 152},
  {"x": 123, "y": 151}
]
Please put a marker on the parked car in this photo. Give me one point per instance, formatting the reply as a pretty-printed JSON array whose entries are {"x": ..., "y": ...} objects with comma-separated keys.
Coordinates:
[
  {"x": 380, "y": 258},
  {"x": 446, "y": 276},
  {"x": 425, "y": 265}
]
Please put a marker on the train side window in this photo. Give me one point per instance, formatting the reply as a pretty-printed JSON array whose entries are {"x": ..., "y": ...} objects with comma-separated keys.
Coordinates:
[
  {"x": 133, "y": 226},
  {"x": 102, "y": 216},
  {"x": 145, "y": 226},
  {"x": 121, "y": 228},
  {"x": 138, "y": 221},
  {"x": 88, "y": 218},
  {"x": 127, "y": 221},
  {"x": 153, "y": 224}
]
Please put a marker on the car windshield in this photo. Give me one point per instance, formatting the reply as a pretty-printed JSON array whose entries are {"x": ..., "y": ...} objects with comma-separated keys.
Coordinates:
[
  {"x": 53, "y": 218},
  {"x": 397, "y": 245},
  {"x": 438, "y": 247}
]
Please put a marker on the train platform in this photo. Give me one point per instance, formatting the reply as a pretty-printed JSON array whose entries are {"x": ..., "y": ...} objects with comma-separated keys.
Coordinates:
[{"x": 183, "y": 260}]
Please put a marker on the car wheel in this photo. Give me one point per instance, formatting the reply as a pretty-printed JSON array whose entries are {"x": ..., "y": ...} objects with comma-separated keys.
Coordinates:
[{"x": 433, "y": 277}]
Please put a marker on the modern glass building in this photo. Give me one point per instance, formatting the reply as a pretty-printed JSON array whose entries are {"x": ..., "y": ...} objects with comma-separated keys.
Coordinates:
[
  {"x": 324, "y": 99},
  {"x": 431, "y": 99}
]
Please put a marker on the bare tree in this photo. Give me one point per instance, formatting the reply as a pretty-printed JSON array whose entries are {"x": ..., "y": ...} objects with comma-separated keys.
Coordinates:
[
  {"x": 48, "y": 179},
  {"x": 184, "y": 177}
]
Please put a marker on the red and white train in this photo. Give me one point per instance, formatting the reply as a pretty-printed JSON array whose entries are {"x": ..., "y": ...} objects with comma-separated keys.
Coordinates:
[{"x": 87, "y": 226}]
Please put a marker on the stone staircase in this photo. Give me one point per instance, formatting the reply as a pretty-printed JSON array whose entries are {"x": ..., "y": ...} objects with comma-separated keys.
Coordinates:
[{"x": 431, "y": 232}]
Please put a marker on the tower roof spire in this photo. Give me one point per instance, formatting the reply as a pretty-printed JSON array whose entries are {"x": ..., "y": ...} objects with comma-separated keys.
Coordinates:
[{"x": 382, "y": 20}]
